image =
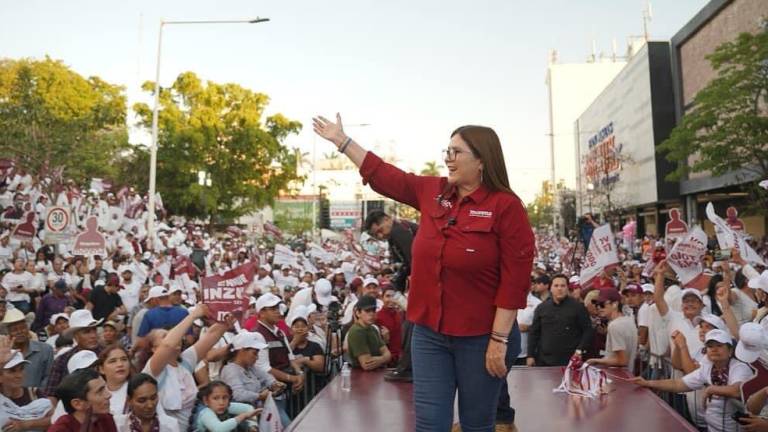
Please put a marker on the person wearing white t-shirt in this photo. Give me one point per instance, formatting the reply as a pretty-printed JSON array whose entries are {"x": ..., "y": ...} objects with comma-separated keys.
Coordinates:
[
  {"x": 17, "y": 283},
  {"x": 683, "y": 361},
  {"x": 524, "y": 321},
  {"x": 719, "y": 377}
]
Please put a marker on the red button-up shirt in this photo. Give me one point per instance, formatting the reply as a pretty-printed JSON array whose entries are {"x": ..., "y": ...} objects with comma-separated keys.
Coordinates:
[{"x": 470, "y": 256}]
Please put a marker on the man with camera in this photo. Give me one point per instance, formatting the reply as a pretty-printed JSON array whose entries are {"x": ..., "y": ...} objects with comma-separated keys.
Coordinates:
[{"x": 399, "y": 235}]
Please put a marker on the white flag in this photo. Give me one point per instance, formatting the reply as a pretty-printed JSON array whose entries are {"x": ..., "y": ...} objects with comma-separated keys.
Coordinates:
[
  {"x": 730, "y": 239},
  {"x": 601, "y": 254},
  {"x": 685, "y": 257},
  {"x": 269, "y": 421},
  {"x": 284, "y": 255}
]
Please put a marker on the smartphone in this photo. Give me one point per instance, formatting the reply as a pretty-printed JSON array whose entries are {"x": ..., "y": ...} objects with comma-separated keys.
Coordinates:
[
  {"x": 723, "y": 255},
  {"x": 738, "y": 415}
]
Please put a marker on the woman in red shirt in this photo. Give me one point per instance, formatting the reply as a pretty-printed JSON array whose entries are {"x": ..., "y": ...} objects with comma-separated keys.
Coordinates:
[{"x": 472, "y": 259}]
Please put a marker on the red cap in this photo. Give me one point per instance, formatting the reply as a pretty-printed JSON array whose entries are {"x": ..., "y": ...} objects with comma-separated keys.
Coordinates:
[
  {"x": 608, "y": 295},
  {"x": 632, "y": 288}
]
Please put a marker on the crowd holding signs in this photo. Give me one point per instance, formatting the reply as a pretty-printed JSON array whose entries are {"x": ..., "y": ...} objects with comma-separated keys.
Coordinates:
[
  {"x": 84, "y": 286},
  {"x": 254, "y": 311}
]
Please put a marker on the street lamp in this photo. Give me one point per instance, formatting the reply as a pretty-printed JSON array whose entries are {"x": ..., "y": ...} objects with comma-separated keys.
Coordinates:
[{"x": 153, "y": 147}]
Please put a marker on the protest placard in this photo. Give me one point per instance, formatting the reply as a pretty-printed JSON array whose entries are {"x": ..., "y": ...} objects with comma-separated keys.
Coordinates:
[
  {"x": 676, "y": 227},
  {"x": 686, "y": 256},
  {"x": 25, "y": 231},
  {"x": 90, "y": 242},
  {"x": 730, "y": 239},
  {"x": 284, "y": 256},
  {"x": 600, "y": 255},
  {"x": 225, "y": 294}
]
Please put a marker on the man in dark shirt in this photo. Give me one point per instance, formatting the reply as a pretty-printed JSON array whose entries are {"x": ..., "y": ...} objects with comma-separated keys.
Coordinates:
[
  {"x": 400, "y": 236},
  {"x": 561, "y": 327},
  {"x": 105, "y": 303}
]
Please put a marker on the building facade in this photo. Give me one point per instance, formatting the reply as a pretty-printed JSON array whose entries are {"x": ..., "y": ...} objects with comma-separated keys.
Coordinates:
[
  {"x": 720, "y": 21},
  {"x": 616, "y": 136}
]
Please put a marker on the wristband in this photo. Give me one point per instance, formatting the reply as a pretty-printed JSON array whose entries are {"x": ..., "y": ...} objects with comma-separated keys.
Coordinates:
[
  {"x": 343, "y": 146},
  {"x": 499, "y": 340}
]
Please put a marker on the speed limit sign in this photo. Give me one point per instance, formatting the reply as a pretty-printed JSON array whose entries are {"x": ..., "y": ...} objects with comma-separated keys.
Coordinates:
[
  {"x": 56, "y": 219},
  {"x": 56, "y": 223}
]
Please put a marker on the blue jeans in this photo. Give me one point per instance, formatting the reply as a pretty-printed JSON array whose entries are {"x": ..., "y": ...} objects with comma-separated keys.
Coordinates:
[{"x": 444, "y": 364}]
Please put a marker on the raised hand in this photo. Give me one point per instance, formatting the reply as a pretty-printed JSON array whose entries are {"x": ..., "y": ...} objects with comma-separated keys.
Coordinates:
[{"x": 329, "y": 130}]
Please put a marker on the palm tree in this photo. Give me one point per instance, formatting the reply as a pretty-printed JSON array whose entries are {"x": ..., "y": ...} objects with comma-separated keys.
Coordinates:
[{"x": 431, "y": 169}]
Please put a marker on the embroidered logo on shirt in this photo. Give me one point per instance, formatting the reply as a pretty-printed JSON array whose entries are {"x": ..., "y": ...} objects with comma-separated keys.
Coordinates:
[
  {"x": 446, "y": 204},
  {"x": 481, "y": 214}
]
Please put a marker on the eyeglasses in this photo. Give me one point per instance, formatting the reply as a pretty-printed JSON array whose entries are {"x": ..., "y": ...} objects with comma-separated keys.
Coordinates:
[
  {"x": 598, "y": 305},
  {"x": 451, "y": 153}
]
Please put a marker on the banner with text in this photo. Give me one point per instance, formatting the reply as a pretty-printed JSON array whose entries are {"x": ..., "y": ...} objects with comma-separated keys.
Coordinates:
[
  {"x": 686, "y": 256},
  {"x": 600, "y": 255},
  {"x": 226, "y": 294}
]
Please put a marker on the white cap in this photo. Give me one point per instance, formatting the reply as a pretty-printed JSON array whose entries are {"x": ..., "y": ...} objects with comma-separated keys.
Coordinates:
[
  {"x": 323, "y": 290},
  {"x": 719, "y": 336},
  {"x": 647, "y": 287},
  {"x": 81, "y": 360},
  {"x": 55, "y": 317},
  {"x": 266, "y": 267},
  {"x": 17, "y": 358},
  {"x": 251, "y": 301},
  {"x": 175, "y": 288},
  {"x": 574, "y": 279},
  {"x": 82, "y": 318},
  {"x": 689, "y": 291},
  {"x": 760, "y": 282},
  {"x": 752, "y": 341},
  {"x": 100, "y": 282},
  {"x": 267, "y": 300},
  {"x": 298, "y": 312},
  {"x": 248, "y": 339},
  {"x": 155, "y": 292},
  {"x": 370, "y": 280},
  {"x": 713, "y": 320}
]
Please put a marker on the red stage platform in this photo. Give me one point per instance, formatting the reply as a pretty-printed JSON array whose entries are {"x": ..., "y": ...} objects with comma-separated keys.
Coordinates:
[{"x": 376, "y": 405}]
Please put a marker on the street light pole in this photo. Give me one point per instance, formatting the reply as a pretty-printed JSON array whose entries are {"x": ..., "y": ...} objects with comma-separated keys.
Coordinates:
[{"x": 155, "y": 109}]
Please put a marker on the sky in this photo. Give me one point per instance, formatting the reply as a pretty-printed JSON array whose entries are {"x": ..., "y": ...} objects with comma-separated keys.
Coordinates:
[{"x": 412, "y": 71}]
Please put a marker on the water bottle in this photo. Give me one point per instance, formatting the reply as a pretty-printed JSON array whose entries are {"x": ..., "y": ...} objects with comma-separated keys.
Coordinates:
[{"x": 346, "y": 377}]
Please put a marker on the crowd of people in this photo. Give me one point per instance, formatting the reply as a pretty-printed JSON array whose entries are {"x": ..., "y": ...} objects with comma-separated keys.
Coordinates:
[
  {"x": 696, "y": 345},
  {"x": 122, "y": 342}
]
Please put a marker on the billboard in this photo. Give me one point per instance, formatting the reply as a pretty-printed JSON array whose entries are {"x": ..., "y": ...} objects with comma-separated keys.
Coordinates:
[
  {"x": 616, "y": 136},
  {"x": 345, "y": 214}
]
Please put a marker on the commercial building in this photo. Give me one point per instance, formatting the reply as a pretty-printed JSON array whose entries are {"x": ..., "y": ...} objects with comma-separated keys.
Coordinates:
[
  {"x": 720, "y": 21},
  {"x": 620, "y": 171}
]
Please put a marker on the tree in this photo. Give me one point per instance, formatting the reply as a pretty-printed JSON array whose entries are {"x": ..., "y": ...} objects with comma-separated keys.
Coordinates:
[
  {"x": 218, "y": 128},
  {"x": 431, "y": 169},
  {"x": 541, "y": 208},
  {"x": 52, "y": 118},
  {"x": 727, "y": 128}
]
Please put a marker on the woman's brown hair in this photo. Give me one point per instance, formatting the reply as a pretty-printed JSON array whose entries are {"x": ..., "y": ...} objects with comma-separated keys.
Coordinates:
[{"x": 486, "y": 146}]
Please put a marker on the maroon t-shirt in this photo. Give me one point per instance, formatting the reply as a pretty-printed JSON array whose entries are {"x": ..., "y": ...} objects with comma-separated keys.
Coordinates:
[{"x": 67, "y": 423}]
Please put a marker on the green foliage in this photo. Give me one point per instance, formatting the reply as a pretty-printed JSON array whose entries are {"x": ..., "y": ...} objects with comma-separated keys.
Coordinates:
[
  {"x": 431, "y": 169},
  {"x": 218, "y": 128},
  {"x": 727, "y": 127},
  {"x": 541, "y": 208},
  {"x": 52, "y": 117}
]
